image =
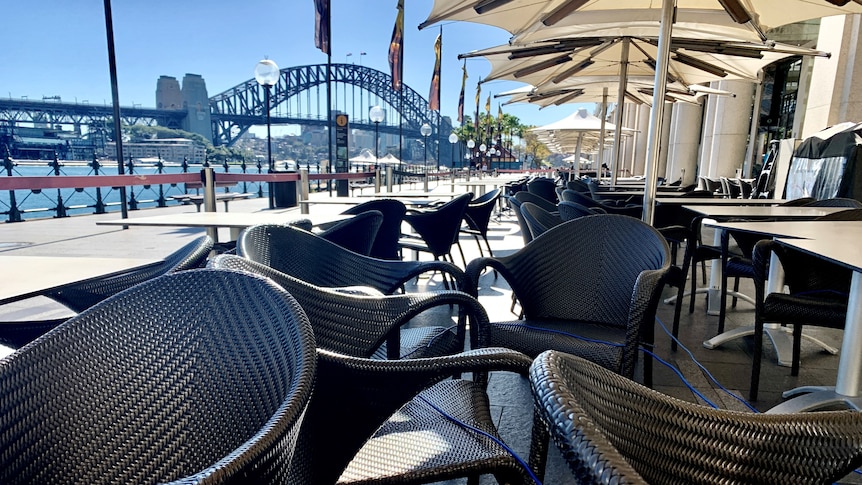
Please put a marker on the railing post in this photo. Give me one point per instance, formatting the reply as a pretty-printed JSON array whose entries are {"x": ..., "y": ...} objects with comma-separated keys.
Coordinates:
[
  {"x": 14, "y": 213},
  {"x": 100, "y": 204},
  {"x": 303, "y": 190},
  {"x": 377, "y": 179},
  {"x": 260, "y": 184},
  {"x": 61, "y": 207},
  {"x": 389, "y": 174},
  {"x": 208, "y": 179},
  {"x": 133, "y": 202},
  {"x": 160, "y": 168},
  {"x": 244, "y": 167}
]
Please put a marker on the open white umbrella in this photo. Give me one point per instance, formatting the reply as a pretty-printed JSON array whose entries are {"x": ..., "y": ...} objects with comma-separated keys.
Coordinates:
[
  {"x": 569, "y": 132},
  {"x": 518, "y": 16}
]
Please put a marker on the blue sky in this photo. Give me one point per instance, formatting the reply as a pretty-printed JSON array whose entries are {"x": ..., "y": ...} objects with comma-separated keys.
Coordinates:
[{"x": 58, "y": 47}]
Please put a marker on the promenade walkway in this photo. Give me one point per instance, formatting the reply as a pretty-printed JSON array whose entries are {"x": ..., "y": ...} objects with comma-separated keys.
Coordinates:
[{"x": 730, "y": 365}]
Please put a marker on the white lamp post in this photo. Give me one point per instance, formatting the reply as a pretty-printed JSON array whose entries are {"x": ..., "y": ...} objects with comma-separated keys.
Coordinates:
[
  {"x": 376, "y": 114},
  {"x": 425, "y": 130},
  {"x": 266, "y": 73},
  {"x": 453, "y": 139}
]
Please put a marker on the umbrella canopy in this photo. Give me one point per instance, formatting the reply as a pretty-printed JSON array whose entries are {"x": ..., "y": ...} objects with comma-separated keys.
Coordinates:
[
  {"x": 579, "y": 121},
  {"x": 693, "y": 61},
  {"x": 389, "y": 159},
  {"x": 529, "y": 16},
  {"x": 365, "y": 156}
]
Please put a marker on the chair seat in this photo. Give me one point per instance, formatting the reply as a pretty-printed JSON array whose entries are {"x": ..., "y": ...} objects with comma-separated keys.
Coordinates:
[
  {"x": 740, "y": 267},
  {"x": 532, "y": 337},
  {"x": 417, "y": 343},
  {"x": 446, "y": 447},
  {"x": 827, "y": 309}
]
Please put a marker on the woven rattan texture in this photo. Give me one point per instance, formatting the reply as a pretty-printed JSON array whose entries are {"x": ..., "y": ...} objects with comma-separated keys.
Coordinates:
[
  {"x": 357, "y": 233},
  {"x": 602, "y": 271},
  {"x": 386, "y": 243},
  {"x": 298, "y": 253},
  {"x": 200, "y": 376},
  {"x": 605, "y": 425}
]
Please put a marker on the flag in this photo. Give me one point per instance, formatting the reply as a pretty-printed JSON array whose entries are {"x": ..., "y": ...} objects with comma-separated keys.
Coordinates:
[
  {"x": 396, "y": 53},
  {"x": 478, "y": 95},
  {"x": 434, "y": 95},
  {"x": 488, "y": 105},
  {"x": 499, "y": 113},
  {"x": 321, "y": 25},
  {"x": 461, "y": 96}
]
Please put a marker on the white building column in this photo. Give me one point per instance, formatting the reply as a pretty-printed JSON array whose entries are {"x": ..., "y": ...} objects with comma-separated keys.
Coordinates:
[
  {"x": 704, "y": 159},
  {"x": 833, "y": 98},
  {"x": 731, "y": 123},
  {"x": 638, "y": 140},
  {"x": 664, "y": 146},
  {"x": 684, "y": 142}
]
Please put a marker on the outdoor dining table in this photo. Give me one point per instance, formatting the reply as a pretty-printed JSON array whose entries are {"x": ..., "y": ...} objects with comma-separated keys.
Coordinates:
[
  {"x": 840, "y": 248},
  {"x": 781, "y": 337},
  {"x": 235, "y": 221},
  {"x": 305, "y": 205},
  {"x": 28, "y": 276}
]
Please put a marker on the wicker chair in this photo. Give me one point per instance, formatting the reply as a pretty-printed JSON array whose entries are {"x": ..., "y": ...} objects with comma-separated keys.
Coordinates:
[
  {"x": 386, "y": 243},
  {"x": 356, "y": 234},
  {"x": 608, "y": 290},
  {"x": 81, "y": 296},
  {"x": 538, "y": 219},
  {"x": 300, "y": 253},
  {"x": 436, "y": 230},
  {"x": 536, "y": 199},
  {"x": 544, "y": 188},
  {"x": 573, "y": 210},
  {"x": 522, "y": 223},
  {"x": 157, "y": 384},
  {"x": 612, "y": 430},
  {"x": 367, "y": 324},
  {"x": 836, "y": 202},
  {"x": 477, "y": 216}
]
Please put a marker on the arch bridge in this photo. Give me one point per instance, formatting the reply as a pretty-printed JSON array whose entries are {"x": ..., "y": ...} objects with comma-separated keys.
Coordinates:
[{"x": 299, "y": 97}]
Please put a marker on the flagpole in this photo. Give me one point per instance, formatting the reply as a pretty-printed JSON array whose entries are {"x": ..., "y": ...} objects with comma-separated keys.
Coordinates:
[
  {"x": 329, "y": 98},
  {"x": 439, "y": 101},
  {"x": 478, "y": 123}
]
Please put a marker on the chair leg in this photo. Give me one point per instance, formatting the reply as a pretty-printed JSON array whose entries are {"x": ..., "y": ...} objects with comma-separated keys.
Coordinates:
[
  {"x": 539, "y": 447},
  {"x": 693, "y": 287},
  {"x": 676, "y": 313},
  {"x": 735, "y": 290},
  {"x": 755, "y": 360},
  {"x": 797, "y": 349}
]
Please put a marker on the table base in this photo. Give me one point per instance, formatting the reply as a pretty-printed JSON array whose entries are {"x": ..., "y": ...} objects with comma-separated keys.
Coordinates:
[
  {"x": 781, "y": 338},
  {"x": 817, "y": 397}
]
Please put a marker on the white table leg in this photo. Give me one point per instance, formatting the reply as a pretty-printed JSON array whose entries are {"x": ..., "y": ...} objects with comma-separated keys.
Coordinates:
[{"x": 714, "y": 293}]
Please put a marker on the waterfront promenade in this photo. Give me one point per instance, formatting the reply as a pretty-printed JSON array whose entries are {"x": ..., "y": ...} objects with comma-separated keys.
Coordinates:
[{"x": 731, "y": 364}]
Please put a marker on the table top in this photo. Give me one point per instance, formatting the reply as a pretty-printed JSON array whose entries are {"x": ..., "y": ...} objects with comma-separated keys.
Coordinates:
[
  {"x": 793, "y": 229},
  {"x": 839, "y": 248},
  {"x": 761, "y": 212},
  {"x": 409, "y": 194},
  {"x": 28, "y": 276},
  {"x": 419, "y": 201},
  {"x": 706, "y": 201},
  {"x": 224, "y": 219}
]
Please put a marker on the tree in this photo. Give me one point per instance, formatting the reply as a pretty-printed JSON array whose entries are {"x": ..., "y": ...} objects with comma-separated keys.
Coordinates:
[{"x": 535, "y": 151}]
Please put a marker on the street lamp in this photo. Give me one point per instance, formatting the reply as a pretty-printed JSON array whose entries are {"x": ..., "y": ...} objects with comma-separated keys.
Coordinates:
[
  {"x": 425, "y": 130},
  {"x": 471, "y": 145},
  {"x": 266, "y": 73},
  {"x": 376, "y": 115},
  {"x": 453, "y": 139},
  {"x": 482, "y": 148}
]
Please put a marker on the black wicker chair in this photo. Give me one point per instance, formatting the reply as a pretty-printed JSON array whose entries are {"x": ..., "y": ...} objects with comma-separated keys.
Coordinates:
[
  {"x": 436, "y": 230},
  {"x": 836, "y": 202},
  {"x": 572, "y": 210},
  {"x": 356, "y": 234},
  {"x": 311, "y": 258},
  {"x": 536, "y": 199},
  {"x": 386, "y": 243},
  {"x": 538, "y": 219},
  {"x": 477, "y": 216},
  {"x": 578, "y": 186},
  {"x": 544, "y": 188},
  {"x": 612, "y": 430},
  {"x": 81, "y": 296},
  {"x": 162, "y": 383},
  {"x": 522, "y": 223},
  {"x": 365, "y": 324},
  {"x": 607, "y": 290}
]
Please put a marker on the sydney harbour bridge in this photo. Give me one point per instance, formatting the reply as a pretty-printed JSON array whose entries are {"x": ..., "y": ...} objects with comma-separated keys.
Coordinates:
[{"x": 299, "y": 98}]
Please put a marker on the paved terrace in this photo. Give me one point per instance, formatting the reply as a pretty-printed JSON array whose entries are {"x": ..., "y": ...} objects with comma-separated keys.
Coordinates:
[{"x": 730, "y": 365}]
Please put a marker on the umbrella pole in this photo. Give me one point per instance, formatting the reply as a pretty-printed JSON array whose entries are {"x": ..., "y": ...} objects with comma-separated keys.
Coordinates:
[
  {"x": 621, "y": 101},
  {"x": 601, "y": 154},
  {"x": 657, "y": 118},
  {"x": 578, "y": 148}
]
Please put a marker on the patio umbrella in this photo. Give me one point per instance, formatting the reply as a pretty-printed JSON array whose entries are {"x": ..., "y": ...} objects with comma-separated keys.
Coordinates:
[{"x": 758, "y": 14}]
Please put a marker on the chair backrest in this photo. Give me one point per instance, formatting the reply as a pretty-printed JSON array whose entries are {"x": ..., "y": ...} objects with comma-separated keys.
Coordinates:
[
  {"x": 356, "y": 234},
  {"x": 163, "y": 382},
  {"x": 535, "y": 199},
  {"x": 439, "y": 227},
  {"x": 613, "y": 430},
  {"x": 713, "y": 185},
  {"x": 477, "y": 215},
  {"x": 539, "y": 220},
  {"x": 605, "y": 256},
  {"x": 311, "y": 258},
  {"x": 698, "y": 194},
  {"x": 386, "y": 243},
  {"x": 581, "y": 198},
  {"x": 798, "y": 202},
  {"x": 848, "y": 215},
  {"x": 577, "y": 185},
  {"x": 544, "y": 188},
  {"x": 573, "y": 210},
  {"x": 836, "y": 202},
  {"x": 82, "y": 296},
  {"x": 522, "y": 223},
  {"x": 745, "y": 187}
]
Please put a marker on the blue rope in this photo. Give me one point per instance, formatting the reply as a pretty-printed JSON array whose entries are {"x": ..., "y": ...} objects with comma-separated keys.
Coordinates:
[{"x": 487, "y": 435}]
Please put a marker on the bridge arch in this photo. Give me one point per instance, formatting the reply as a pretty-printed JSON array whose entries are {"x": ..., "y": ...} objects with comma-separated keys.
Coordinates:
[{"x": 235, "y": 110}]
